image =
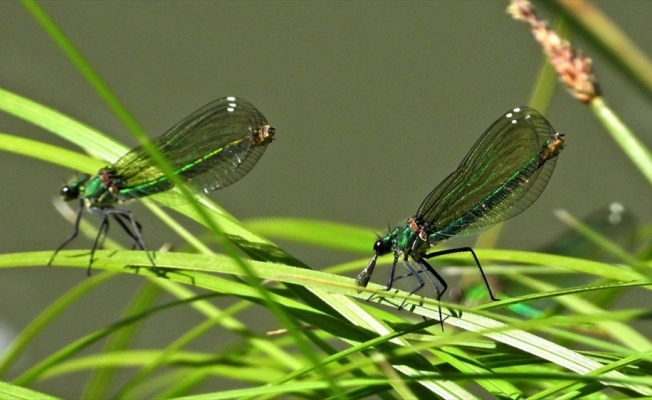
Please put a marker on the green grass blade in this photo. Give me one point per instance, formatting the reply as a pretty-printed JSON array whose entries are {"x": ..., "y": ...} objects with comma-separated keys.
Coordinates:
[
  {"x": 207, "y": 212},
  {"x": 589, "y": 267},
  {"x": 126, "y": 358},
  {"x": 612, "y": 41},
  {"x": 49, "y": 153},
  {"x": 357, "y": 316},
  {"x": 93, "y": 78},
  {"x": 13, "y": 392},
  {"x": 175, "y": 347},
  {"x": 599, "y": 240},
  {"x": 95, "y": 143},
  {"x": 75, "y": 347},
  {"x": 466, "y": 363},
  {"x": 576, "y": 387},
  {"x": 619, "y": 331},
  {"x": 325, "y": 234},
  {"x": 38, "y": 324},
  {"x": 214, "y": 227},
  {"x": 629, "y": 143},
  {"x": 97, "y": 386}
]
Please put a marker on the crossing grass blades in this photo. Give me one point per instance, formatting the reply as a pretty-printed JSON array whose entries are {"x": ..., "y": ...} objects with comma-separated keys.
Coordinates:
[
  {"x": 502, "y": 175},
  {"x": 210, "y": 149}
]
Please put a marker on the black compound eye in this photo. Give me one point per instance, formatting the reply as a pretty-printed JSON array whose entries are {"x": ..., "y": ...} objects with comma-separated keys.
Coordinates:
[
  {"x": 382, "y": 247},
  {"x": 68, "y": 193}
]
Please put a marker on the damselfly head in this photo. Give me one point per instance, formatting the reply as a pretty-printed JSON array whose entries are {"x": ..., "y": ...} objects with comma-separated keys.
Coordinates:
[
  {"x": 382, "y": 246},
  {"x": 72, "y": 190},
  {"x": 69, "y": 193}
]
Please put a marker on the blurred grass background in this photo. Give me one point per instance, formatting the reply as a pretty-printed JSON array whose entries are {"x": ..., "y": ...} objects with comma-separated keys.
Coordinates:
[{"x": 374, "y": 104}]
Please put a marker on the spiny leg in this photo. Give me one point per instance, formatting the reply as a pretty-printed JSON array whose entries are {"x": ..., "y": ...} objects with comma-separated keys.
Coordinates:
[
  {"x": 425, "y": 268},
  {"x": 101, "y": 235},
  {"x": 443, "y": 283},
  {"x": 124, "y": 217},
  {"x": 392, "y": 271},
  {"x": 134, "y": 232},
  {"x": 409, "y": 274},
  {"x": 413, "y": 272},
  {"x": 475, "y": 258},
  {"x": 75, "y": 232},
  {"x": 100, "y": 245},
  {"x": 134, "y": 238},
  {"x": 135, "y": 243}
]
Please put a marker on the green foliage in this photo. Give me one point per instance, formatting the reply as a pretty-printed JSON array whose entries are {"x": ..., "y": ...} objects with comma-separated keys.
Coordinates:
[{"x": 333, "y": 343}]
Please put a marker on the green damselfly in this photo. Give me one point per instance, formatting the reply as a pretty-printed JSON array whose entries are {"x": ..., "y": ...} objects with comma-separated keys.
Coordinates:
[
  {"x": 503, "y": 174},
  {"x": 210, "y": 149}
]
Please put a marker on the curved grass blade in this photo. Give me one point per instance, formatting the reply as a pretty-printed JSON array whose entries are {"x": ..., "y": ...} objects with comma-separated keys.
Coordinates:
[
  {"x": 325, "y": 234},
  {"x": 37, "y": 325},
  {"x": 91, "y": 140},
  {"x": 98, "y": 384},
  {"x": 13, "y": 392}
]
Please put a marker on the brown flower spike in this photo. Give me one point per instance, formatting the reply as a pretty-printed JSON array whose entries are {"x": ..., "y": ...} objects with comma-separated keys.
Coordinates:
[{"x": 574, "y": 70}]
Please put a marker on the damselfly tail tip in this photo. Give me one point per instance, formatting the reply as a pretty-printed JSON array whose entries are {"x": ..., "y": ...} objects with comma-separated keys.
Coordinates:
[
  {"x": 263, "y": 135},
  {"x": 552, "y": 148}
]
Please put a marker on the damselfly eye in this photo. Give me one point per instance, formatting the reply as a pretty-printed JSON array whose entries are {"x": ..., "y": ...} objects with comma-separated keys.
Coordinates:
[
  {"x": 69, "y": 193},
  {"x": 382, "y": 247}
]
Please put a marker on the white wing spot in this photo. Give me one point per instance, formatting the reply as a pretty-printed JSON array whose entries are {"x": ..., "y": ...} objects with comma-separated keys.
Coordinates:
[
  {"x": 616, "y": 207},
  {"x": 230, "y": 98}
]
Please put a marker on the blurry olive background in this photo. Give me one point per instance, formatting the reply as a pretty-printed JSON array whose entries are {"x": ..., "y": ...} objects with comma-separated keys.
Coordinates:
[{"x": 374, "y": 104}]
